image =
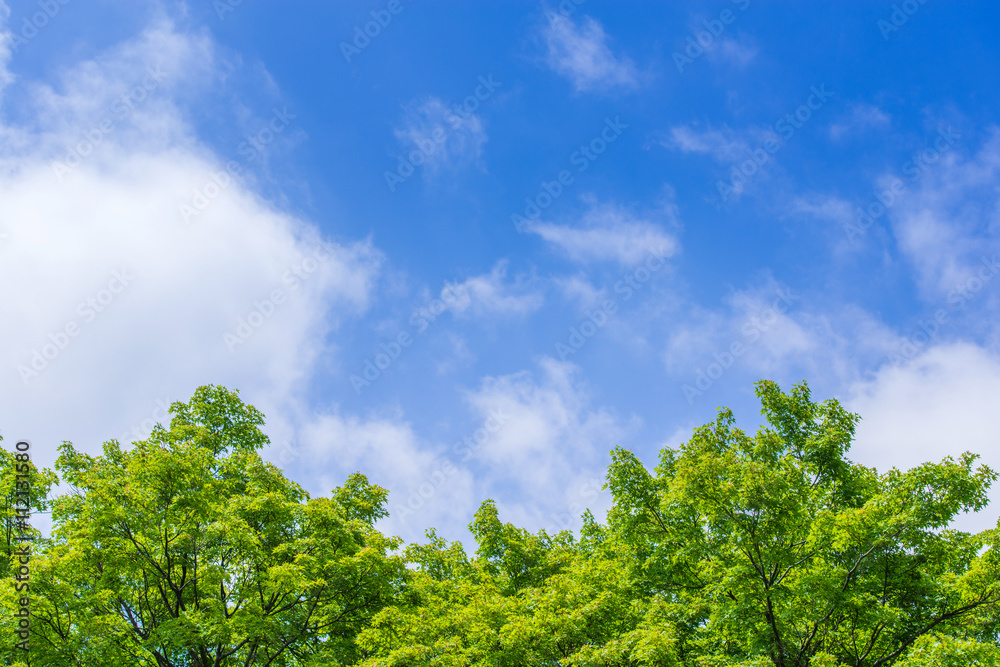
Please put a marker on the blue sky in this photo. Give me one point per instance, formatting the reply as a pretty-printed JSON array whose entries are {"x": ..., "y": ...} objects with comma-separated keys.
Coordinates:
[{"x": 471, "y": 251}]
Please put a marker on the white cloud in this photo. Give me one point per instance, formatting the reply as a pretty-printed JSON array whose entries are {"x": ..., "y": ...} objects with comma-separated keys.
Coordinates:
[
  {"x": 6, "y": 39},
  {"x": 549, "y": 457},
  {"x": 861, "y": 117},
  {"x": 746, "y": 153},
  {"x": 762, "y": 318},
  {"x": 579, "y": 289},
  {"x": 580, "y": 53},
  {"x": 610, "y": 233},
  {"x": 723, "y": 145},
  {"x": 941, "y": 404},
  {"x": 428, "y": 485},
  {"x": 163, "y": 293},
  {"x": 536, "y": 445},
  {"x": 737, "y": 51},
  {"x": 947, "y": 223},
  {"x": 443, "y": 138},
  {"x": 830, "y": 208},
  {"x": 488, "y": 294},
  {"x": 778, "y": 333}
]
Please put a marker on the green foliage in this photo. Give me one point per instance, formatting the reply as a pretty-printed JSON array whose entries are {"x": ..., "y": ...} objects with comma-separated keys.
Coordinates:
[
  {"x": 512, "y": 556},
  {"x": 939, "y": 650},
  {"x": 777, "y": 547},
  {"x": 771, "y": 549},
  {"x": 38, "y": 483},
  {"x": 189, "y": 549},
  {"x": 736, "y": 550}
]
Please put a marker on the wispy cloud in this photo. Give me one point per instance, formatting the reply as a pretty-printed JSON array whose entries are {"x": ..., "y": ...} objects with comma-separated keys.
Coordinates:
[
  {"x": 724, "y": 145},
  {"x": 610, "y": 233},
  {"x": 443, "y": 138},
  {"x": 737, "y": 51},
  {"x": 491, "y": 294},
  {"x": 771, "y": 330},
  {"x": 551, "y": 432},
  {"x": 428, "y": 485},
  {"x": 946, "y": 225},
  {"x": 6, "y": 50},
  {"x": 861, "y": 117},
  {"x": 580, "y": 53},
  {"x": 830, "y": 208}
]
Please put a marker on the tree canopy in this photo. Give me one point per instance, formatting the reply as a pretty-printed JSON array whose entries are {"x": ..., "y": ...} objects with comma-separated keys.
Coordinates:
[{"x": 188, "y": 548}]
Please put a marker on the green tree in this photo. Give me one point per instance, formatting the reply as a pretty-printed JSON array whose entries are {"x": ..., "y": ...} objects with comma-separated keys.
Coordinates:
[
  {"x": 776, "y": 548},
  {"x": 773, "y": 549},
  {"x": 18, "y": 473},
  {"x": 524, "y": 599},
  {"x": 189, "y": 549},
  {"x": 458, "y": 611}
]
